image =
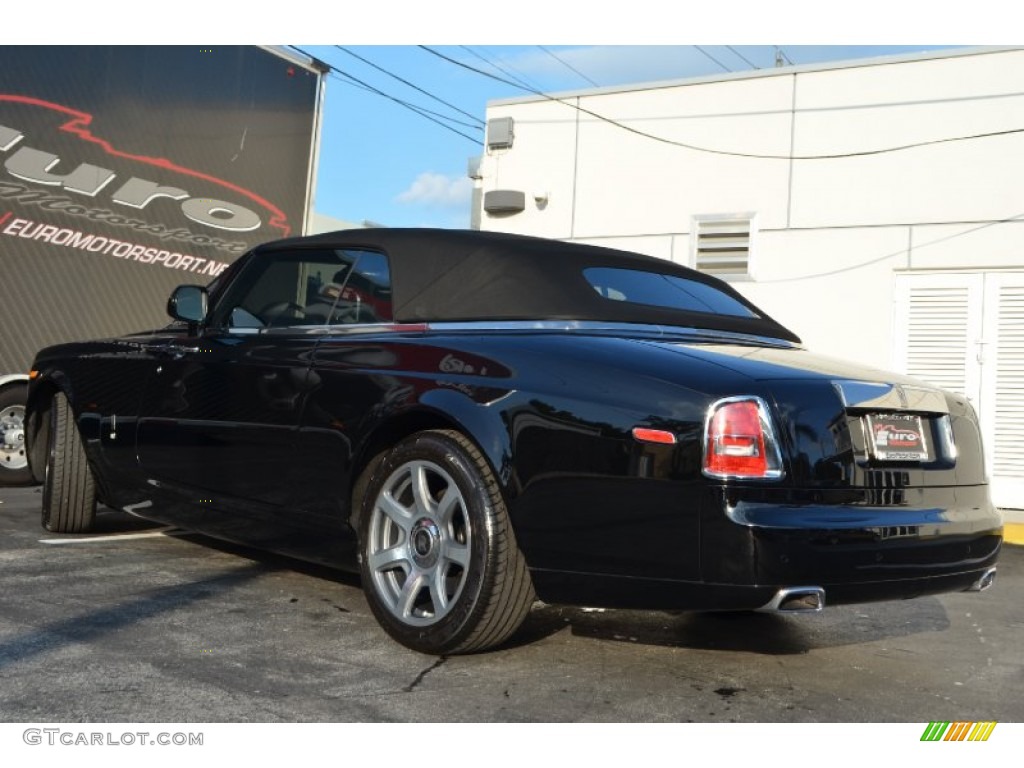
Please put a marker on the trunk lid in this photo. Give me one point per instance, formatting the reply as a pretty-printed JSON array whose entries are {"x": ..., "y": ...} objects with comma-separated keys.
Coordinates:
[{"x": 845, "y": 425}]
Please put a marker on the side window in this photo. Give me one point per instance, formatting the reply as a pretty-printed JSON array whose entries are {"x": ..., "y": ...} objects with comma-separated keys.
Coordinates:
[
  {"x": 357, "y": 292},
  {"x": 307, "y": 288}
]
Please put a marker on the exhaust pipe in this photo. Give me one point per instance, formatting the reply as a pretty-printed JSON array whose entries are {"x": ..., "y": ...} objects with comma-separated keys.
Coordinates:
[
  {"x": 796, "y": 600},
  {"x": 986, "y": 580}
]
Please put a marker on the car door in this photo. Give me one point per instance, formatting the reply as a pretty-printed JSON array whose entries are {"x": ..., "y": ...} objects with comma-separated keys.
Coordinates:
[{"x": 221, "y": 407}]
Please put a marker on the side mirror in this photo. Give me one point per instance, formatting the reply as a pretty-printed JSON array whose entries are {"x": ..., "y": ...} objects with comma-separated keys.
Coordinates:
[{"x": 188, "y": 303}]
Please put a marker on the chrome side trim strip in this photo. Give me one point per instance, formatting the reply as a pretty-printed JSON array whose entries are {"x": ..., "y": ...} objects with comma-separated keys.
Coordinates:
[
  {"x": 598, "y": 327},
  {"x": 676, "y": 333}
]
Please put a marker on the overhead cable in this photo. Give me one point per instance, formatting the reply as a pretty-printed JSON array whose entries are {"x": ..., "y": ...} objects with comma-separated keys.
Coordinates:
[
  {"x": 427, "y": 114},
  {"x": 723, "y": 152},
  {"x": 567, "y": 65},
  {"x": 406, "y": 82},
  {"x": 518, "y": 80},
  {"x": 898, "y": 252},
  {"x": 712, "y": 58},
  {"x": 740, "y": 55}
]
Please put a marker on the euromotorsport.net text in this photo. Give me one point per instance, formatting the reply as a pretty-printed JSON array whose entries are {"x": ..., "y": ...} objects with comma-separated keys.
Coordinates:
[{"x": 70, "y": 238}]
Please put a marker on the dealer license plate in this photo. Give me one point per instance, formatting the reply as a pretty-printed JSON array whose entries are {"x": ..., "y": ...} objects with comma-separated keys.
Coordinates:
[{"x": 897, "y": 437}]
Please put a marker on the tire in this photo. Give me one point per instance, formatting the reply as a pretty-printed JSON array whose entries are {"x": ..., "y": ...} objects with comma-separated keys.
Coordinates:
[
  {"x": 438, "y": 558},
  {"x": 14, "y": 469},
  {"x": 69, "y": 490}
]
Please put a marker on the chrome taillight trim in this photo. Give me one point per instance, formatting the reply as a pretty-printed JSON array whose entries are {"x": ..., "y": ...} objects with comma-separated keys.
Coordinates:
[{"x": 771, "y": 442}]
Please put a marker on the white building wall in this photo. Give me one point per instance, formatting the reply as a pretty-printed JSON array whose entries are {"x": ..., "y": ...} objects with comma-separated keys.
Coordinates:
[
  {"x": 646, "y": 187},
  {"x": 541, "y": 162},
  {"x": 865, "y": 109}
]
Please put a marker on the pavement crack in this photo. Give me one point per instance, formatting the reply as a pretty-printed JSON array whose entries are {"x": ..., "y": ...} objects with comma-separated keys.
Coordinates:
[{"x": 419, "y": 678}]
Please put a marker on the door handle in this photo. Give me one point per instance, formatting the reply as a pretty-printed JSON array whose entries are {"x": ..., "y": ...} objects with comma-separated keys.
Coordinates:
[{"x": 174, "y": 351}]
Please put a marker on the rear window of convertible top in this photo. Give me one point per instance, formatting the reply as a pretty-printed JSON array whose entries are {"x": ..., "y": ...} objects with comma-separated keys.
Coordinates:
[{"x": 659, "y": 290}]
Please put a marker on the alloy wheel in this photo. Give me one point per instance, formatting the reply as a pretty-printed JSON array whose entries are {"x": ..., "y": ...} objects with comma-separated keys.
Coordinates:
[{"x": 419, "y": 544}]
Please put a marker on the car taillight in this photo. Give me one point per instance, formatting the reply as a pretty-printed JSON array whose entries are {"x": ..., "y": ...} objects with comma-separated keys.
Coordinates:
[{"x": 739, "y": 441}]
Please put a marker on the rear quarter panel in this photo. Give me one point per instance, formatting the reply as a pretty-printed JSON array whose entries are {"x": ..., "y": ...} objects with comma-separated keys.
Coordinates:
[{"x": 554, "y": 414}]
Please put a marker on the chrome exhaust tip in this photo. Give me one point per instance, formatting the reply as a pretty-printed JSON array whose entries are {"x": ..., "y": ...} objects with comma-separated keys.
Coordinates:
[
  {"x": 796, "y": 600},
  {"x": 986, "y": 580}
]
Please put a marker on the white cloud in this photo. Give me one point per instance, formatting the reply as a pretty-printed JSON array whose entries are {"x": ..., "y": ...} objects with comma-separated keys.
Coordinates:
[{"x": 438, "y": 191}]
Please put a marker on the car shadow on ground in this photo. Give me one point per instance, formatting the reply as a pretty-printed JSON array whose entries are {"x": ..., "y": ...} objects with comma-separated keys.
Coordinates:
[
  {"x": 746, "y": 632},
  {"x": 94, "y": 623},
  {"x": 749, "y": 632}
]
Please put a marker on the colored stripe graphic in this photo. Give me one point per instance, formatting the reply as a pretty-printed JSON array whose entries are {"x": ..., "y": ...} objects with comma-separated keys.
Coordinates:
[
  {"x": 984, "y": 730},
  {"x": 958, "y": 731}
]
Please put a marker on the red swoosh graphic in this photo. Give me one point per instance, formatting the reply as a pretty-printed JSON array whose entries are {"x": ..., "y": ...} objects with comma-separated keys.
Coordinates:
[{"x": 78, "y": 126}]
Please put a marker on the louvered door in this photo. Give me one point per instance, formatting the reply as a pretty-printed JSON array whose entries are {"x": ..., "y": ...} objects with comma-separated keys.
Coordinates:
[
  {"x": 965, "y": 332},
  {"x": 937, "y": 329},
  {"x": 1003, "y": 386}
]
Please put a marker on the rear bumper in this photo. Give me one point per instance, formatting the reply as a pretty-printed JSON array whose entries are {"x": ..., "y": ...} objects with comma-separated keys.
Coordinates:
[
  {"x": 665, "y": 594},
  {"x": 856, "y": 548},
  {"x": 944, "y": 540}
]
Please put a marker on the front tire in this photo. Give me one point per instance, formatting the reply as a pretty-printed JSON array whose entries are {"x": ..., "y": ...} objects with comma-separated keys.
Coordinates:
[
  {"x": 438, "y": 558},
  {"x": 69, "y": 490}
]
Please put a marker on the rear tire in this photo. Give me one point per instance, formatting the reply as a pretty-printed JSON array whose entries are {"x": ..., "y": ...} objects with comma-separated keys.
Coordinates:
[
  {"x": 438, "y": 558},
  {"x": 69, "y": 490}
]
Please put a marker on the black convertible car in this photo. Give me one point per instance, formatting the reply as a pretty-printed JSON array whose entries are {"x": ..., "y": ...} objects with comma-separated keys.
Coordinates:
[{"x": 475, "y": 420}]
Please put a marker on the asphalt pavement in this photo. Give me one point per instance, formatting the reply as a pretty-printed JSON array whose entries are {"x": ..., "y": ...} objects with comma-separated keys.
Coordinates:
[{"x": 139, "y": 624}]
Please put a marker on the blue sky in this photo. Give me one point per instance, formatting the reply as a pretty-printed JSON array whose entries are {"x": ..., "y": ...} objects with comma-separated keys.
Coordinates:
[{"x": 382, "y": 161}]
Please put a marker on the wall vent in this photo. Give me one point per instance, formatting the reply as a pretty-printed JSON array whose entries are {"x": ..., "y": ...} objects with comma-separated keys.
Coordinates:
[{"x": 722, "y": 244}]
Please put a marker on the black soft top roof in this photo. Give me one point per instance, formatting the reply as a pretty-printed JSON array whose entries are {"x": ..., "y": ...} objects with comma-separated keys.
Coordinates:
[{"x": 467, "y": 275}]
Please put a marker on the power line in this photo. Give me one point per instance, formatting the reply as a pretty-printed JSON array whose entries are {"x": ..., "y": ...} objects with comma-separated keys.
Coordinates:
[
  {"x": 345, "y": 76},
  {"x": 562, "y": 61},
  {"x": 411, "y": 85},
  {"x": 899, "y": 252},
  {"x": 712, "y": 58},
  {"x": 748, "y": 61},
  {"x": 422, "y": 112},
  {"x": 518, "y": 81},
  {"x": 727, "y": 153},
  {"x": 348, "y": 79}
]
